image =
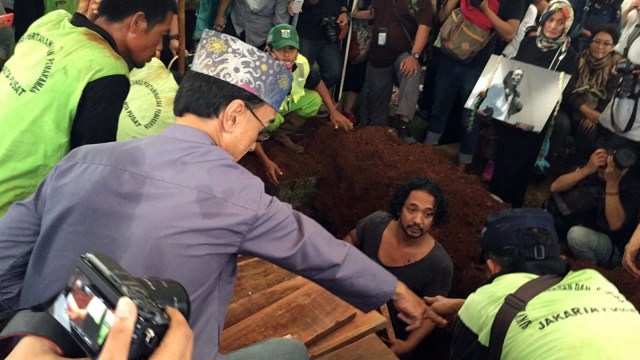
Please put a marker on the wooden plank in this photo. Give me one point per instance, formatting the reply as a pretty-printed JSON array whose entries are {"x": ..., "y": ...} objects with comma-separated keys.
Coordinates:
[
  {"x": 391, "y": 334},
  {"x": 361, "y": 326},
  {"x": 242, "y": 308},
  {"x": 306, "y": 315},
  {"x": 255, "y": 275},
  {"x": 368, "y": 348}
]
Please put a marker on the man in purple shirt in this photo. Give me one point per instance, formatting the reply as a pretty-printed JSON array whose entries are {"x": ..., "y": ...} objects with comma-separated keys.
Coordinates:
[{"x": 177, "y": 205}]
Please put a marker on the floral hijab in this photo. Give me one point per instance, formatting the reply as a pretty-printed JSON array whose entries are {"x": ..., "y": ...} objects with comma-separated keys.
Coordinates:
[{"x": 544, "y": 42}]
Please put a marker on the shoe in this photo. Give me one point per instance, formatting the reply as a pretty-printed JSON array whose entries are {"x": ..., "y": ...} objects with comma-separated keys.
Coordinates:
[
  {"x": 349, "y": 115},
  {"x": 284, "y": 140},
  {"x": 322, "y": 112},
  {"x": 487, "y": 174},
  {"x": 405, "y": 134}
]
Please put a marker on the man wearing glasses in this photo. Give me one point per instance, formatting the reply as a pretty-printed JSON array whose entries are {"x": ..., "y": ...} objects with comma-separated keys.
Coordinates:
[
  {"x": 177, "y": 205},
  {"x": 400, "y": 241}
]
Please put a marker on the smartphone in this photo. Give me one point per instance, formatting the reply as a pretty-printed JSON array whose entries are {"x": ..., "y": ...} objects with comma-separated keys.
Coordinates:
[
  {"x": 296, "y": 7},
  {"x": 382, "y": 36},
  {"x": 6, "y": 21}
]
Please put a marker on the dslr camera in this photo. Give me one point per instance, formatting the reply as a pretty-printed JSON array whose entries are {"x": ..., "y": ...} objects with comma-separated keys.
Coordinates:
[
  {"x": 331, "y": 28},
  {"x": 627, "y": 83},
  {"x": 85, "y": 307},
  {"x": 623, "y": 158}
]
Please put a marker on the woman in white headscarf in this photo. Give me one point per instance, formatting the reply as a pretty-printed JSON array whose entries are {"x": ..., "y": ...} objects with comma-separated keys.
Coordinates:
[{"x": 516, "y": 148}]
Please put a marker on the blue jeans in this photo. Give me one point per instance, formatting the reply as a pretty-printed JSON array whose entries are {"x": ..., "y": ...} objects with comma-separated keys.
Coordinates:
[
  {"x": 280, "y": 348},
  {"x": 453, "y": 79},
  {"x": 594, "y": 246},
  {"x": 327, "y": 55}
]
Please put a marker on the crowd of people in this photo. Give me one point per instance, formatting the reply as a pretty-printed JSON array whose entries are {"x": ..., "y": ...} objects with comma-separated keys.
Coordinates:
[{"x": 105, "y": 149}]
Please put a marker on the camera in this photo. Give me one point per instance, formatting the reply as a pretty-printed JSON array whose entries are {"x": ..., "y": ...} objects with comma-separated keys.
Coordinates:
[
  {"x": 627, "y": 84},
  {"x": 85, "y": 307},
  {"x": 624, "y": 158},
  {"x": 331, "y": 28}
]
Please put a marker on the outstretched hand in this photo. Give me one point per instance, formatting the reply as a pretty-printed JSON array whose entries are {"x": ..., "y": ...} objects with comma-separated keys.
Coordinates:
[
  {"x": 442, "y": 310},
  {"x": 410, "y": 308},
  {"x": 89, "y": 8}
]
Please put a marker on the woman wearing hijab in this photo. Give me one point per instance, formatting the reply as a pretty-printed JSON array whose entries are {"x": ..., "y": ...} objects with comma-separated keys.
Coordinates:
[{"x": 516, "y": 148}]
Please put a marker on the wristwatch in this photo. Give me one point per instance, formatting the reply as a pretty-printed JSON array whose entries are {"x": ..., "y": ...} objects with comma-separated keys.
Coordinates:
[
  {"x": 415, "y": 55},
  {"x": 173, "y": 37}
]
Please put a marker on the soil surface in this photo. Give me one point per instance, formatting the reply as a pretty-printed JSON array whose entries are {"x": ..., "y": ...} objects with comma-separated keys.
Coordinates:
[{"x": 355, "y": 174}]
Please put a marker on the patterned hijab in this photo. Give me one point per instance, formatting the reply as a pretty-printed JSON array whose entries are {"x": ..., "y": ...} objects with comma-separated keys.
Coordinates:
[{"x": 544, "y": 42}]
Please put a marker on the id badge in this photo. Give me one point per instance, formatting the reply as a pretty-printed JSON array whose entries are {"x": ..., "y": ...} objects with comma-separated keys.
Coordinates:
[{"x": 382, "y": 36}]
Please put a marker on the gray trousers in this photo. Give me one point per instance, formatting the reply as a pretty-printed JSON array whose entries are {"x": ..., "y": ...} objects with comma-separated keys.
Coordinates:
[{"x": 376, "y": 93}]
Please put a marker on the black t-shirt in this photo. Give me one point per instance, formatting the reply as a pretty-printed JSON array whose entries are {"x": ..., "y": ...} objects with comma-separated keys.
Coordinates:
[
  {"x": 530, "y": 53},
  {"x": 428, "y": 276},
  {"x": 310, "y": 19}
]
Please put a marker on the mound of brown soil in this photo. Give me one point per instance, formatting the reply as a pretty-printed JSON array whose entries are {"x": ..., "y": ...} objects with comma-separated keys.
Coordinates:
[{"x": 359, "y": 170}]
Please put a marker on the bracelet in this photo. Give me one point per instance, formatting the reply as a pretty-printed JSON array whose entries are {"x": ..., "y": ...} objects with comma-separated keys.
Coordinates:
[
  {"x": 612, "y": 193},
  {"x": 173, "y": 37},
  {"x": 344, "y": 12}
]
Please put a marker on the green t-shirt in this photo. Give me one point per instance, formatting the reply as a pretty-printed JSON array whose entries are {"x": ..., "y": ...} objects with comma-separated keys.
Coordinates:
[{"x": 582, "y": 317}]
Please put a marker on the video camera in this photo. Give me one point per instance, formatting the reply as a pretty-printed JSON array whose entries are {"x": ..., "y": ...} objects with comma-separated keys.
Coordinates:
[
  {"x": 331, "y": 28},
  {"x": 85, "y": 307}
]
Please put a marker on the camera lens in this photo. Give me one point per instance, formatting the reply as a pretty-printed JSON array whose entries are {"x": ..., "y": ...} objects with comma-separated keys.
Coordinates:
[
  {"x": 167, "y": 292},
  {"x": 624, "y": 158}
]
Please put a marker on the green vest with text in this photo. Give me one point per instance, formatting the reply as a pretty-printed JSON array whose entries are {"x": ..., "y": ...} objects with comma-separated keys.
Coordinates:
[
  {"x": 69, "y": 6},
  {"x": 40, "y": 87},
  {"x": 300, "y": 75},
  {"x": 582, "y": 317},
  {"x": 149, "y": 105}
]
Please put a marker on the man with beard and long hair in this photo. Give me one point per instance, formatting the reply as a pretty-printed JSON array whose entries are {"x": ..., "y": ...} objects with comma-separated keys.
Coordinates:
[{"x": 399, "y": 240}]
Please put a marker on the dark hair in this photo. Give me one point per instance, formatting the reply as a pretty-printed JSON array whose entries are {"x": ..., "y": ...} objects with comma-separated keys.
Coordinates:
[
  {"x": 155, "y": 11},
  {"x": 206, "y": 96},
  {"x": 423, "y": 184},
  {"x": 609, "y": 29}
]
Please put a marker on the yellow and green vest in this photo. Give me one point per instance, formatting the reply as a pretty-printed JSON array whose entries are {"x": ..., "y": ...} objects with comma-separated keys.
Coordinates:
[
  {"x": 40, "y": 87},
  {"x": 149, "y": 105}
]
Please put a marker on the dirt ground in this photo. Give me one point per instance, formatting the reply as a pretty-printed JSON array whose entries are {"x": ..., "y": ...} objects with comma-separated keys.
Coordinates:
[{"x": 356, "y": 172}]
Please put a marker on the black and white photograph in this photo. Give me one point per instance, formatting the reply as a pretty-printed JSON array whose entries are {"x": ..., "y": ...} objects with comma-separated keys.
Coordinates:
[{"x": 517, "y": 93}]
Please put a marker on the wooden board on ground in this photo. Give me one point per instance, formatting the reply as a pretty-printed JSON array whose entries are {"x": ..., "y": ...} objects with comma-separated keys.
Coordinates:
[
  {"x": 255, "y": 275},
  {"x": 308, "y": 314},
  {"x": 367, "y": 348},
  {"x": 361, "y": 326},
  {"x": 241, "y": 308}
]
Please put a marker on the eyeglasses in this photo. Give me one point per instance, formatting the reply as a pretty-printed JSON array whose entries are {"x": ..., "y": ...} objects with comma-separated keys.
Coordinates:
[
  {"x": 601, "y": 43},
  {"x": 263, "y": 135}
]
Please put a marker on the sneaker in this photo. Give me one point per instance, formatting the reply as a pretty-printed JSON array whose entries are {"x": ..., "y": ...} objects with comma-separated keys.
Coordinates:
[
  {"x": 405, "y": 134},
  {"x": 349, "y": 115},
  {"x": 284, "y": 140},
  {"x": 487, "y": 174},
  {"x": 323, "y": 112}
]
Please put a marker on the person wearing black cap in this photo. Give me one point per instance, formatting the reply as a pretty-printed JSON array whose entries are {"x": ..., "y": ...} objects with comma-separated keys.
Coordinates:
[{"x": 520, "y": 245}]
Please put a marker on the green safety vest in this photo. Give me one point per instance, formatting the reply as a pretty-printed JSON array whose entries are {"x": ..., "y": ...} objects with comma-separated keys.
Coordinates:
[
  {"x": 40, "y": 87},
  {"x": 582, "y": 317},
  {"x": 149, "y": 105},
  {"x": 300, "y": 75},
  {"x": 69, "y": 6}
]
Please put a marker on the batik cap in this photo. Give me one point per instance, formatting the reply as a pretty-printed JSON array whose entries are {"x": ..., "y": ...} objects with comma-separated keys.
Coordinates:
[{"x": 227, "y": 58}]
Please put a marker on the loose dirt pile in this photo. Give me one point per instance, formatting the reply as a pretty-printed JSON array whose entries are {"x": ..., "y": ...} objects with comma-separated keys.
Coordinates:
[{"x": 359, "y": 170}]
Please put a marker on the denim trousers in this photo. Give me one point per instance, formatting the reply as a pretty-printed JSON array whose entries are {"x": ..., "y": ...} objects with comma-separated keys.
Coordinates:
[
  {"x": 453, "y": 80},
  {"x": 327, "y": 54},
  {"x": 594, "y": 246}
]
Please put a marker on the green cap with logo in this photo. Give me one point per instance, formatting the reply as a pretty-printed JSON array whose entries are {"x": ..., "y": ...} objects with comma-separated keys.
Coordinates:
[{"x": 283, "y": 35}]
